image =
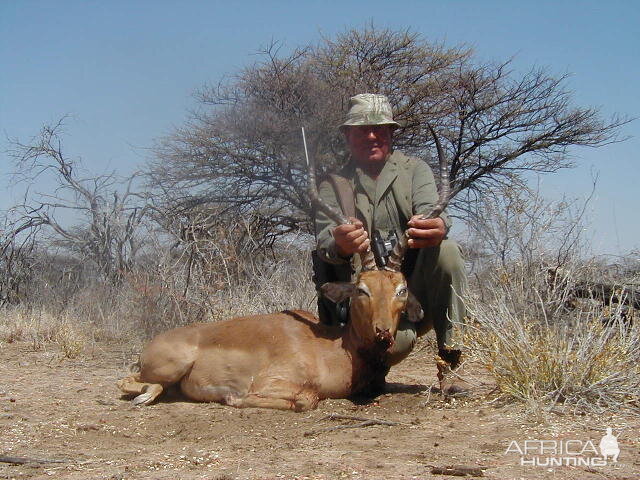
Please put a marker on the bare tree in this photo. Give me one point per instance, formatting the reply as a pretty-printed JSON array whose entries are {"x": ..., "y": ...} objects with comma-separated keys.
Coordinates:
[
  {"x": 16, "y": 260},
  {"x": 241, "y": 151},
  {"x": 105, "y": 219},
  {"x": 519, "y": 225}
]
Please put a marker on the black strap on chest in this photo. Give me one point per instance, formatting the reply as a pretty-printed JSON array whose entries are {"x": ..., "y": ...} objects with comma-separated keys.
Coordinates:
[{"x": 328, "y": 311}]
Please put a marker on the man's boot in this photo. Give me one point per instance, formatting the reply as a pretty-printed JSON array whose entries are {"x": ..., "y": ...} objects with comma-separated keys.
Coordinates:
[{"x": 451, "y": 385}]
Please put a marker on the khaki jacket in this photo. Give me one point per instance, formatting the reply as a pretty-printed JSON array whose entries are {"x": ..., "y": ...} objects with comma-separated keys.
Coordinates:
[{"x": 405, "y": 187}]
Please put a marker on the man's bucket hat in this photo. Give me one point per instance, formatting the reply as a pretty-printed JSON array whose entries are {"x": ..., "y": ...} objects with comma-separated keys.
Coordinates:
[{"x": 369, "y": 109}]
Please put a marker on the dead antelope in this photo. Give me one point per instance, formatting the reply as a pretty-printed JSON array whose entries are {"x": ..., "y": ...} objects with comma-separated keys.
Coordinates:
[
  {"x": 283, "y": 360},
  {"x": 286, "y": 360}
]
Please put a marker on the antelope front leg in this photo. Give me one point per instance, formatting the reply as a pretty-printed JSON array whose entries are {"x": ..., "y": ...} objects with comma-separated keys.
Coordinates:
[{"x": 147, "y": 392}]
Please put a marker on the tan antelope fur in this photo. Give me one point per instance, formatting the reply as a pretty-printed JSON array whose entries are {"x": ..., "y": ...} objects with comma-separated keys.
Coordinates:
[{"x": 284, "y": 360}]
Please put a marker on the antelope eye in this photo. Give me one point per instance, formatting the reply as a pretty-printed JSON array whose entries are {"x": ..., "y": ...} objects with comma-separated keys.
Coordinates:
[
  {"x": 401, "y": 293},
  {"x": 362, "y": 291}
]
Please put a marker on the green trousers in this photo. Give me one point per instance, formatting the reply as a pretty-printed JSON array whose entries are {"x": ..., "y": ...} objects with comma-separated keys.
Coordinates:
[{"x": 438, "y": 280}]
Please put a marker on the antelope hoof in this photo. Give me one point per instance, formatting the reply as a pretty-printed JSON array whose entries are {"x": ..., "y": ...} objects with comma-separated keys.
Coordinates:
[
  {"x": 150, "y": 393},
  {"x": 143, "y": 399}
]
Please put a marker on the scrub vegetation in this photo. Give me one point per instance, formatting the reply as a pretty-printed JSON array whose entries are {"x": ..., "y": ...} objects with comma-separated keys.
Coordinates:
[{"x": 217, "y": 224}]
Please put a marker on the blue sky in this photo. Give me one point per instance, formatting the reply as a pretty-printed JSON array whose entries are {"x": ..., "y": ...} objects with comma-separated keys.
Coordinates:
[{"x": 125, "y": 72}]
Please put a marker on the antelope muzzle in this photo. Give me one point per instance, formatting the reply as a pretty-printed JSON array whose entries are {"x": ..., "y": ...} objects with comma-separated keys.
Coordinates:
[{"x": 384, "y": 338}]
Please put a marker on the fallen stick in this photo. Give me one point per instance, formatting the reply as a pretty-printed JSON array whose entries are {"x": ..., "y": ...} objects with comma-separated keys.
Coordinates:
[
  {"x": 457, "y": 471},
  {"x": 363, "y": 422},
  {"x": 23, "y": 460}
]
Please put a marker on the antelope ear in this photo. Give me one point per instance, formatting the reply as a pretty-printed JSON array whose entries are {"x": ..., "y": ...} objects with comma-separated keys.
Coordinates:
[
  {"x": 414, "y": 309},
  {"x": 338, "y": 291}
]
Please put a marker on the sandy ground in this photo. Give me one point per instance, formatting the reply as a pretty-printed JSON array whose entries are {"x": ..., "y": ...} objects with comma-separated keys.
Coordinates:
[{"x": 69, "y": 410}]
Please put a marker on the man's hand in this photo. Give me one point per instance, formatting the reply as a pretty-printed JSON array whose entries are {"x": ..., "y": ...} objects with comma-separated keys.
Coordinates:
[
  {"x": 351, "y": 238},
  {"x": 426, "y": 233}
]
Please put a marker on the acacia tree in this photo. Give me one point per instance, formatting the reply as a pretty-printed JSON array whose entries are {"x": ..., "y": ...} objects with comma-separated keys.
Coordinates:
[{"x": 241, "y": 152}]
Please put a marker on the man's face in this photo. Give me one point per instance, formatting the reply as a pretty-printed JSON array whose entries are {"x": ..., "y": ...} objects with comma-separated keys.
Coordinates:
[{"x": 369, "y": 144}]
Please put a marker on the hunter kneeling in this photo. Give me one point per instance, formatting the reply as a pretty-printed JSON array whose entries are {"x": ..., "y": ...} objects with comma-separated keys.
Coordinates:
[{"x": 385, "y": 192}]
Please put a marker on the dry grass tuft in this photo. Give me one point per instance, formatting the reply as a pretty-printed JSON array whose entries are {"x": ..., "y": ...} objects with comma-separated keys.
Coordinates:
[
  {"x": 70, "y": 339},
  {"x": 543, "y": 353},
  {"x": 39, "y": 328}
]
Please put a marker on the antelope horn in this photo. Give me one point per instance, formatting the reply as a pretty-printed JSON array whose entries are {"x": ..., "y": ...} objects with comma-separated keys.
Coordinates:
[
  {"x": 397, "y": 254},
  {"x": 367, "y": 259}
]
